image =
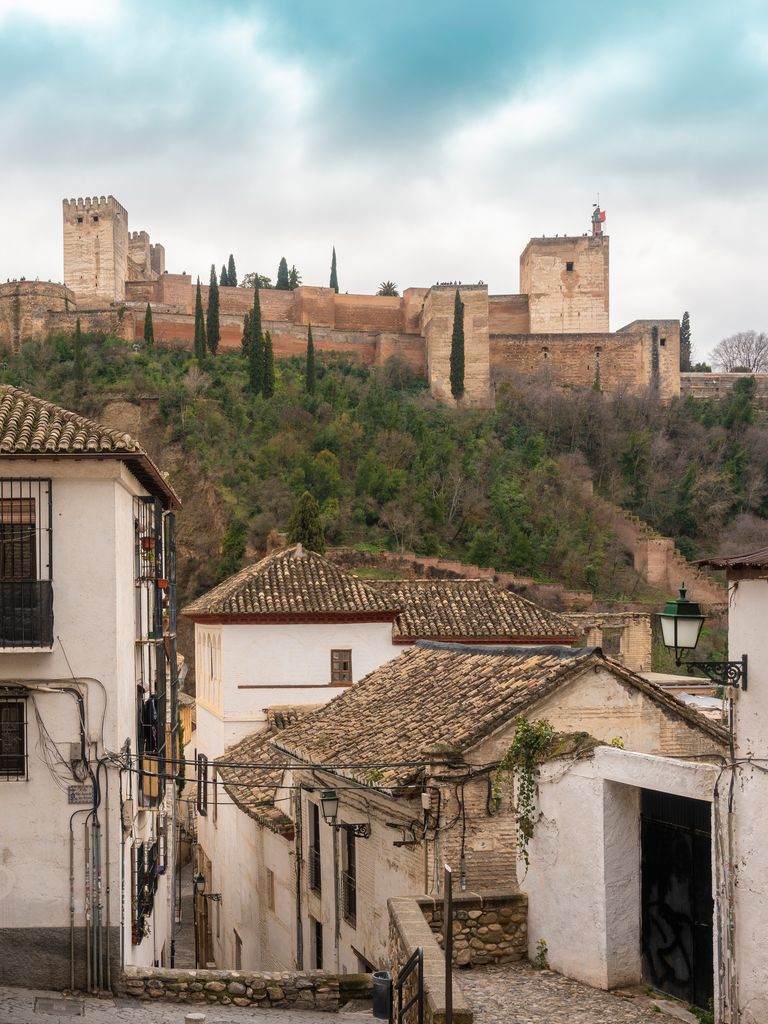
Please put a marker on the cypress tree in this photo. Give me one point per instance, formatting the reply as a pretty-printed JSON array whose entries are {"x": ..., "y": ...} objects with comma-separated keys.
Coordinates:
[
  {"x": 269, "y": 366},
  {"x": 224, "y": 277},
  {"x": 231, "y": 272},
  {"x": 685, "y": 343},
  {"x": 199, "y": 325},
  {"x": 78, "y": 367},
  {"x": 305, "y": 526},
  {"x": 309, "y": 376},
  {"x": 334, "y": 279},
  {"x": 283, "y": 282},
  {"x": 149, "y": 331},
  {"x": 214, "y": 327},
  {"x": 256, "y": 351},
  {"x": 457, "y": 348},
  {"x": 294, "y": 278},
  {"x": 245, "y": 341}
]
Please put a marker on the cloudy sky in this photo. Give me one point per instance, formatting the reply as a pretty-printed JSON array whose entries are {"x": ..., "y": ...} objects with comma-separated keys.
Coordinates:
[{"x": 427, "y": 140}]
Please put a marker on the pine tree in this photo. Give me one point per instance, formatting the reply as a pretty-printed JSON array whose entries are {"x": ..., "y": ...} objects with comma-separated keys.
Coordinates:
[
  {"x": 149, "y": 331},
  {"x": 231, "y": 272},
  {"x": 309, "y": 376},
  {"x": 214, "y": 327},
  {"x": 294, "y": 278},
  {"x": 245, "y": 341},
  {"x": 256, "y": 351},
  {"x": 334, "y": 279},
  {"x": 269, "y": 366},
  {"x": 78, "y": 373},
  {"x": 199, "y": 325},
  {"x": 224, "y": 277},
  {"x": 457, "y": 348},
  {"x": 685, "y": 343},
  {"x": 282, "y": 276},
  {"x": 305, "y": 526}
]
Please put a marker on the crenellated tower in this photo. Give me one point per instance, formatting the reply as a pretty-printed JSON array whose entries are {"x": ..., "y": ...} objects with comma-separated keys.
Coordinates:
[{"x": 95, "y": 249}]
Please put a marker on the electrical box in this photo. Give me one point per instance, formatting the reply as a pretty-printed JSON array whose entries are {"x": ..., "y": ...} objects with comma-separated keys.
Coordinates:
[{"x": 127, "y": 815}]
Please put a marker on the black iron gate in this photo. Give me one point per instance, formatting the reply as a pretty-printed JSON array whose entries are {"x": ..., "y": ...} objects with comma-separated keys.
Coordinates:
[
  {"x": 409, "y": 989},
  {"x": 677, "y": 895}
]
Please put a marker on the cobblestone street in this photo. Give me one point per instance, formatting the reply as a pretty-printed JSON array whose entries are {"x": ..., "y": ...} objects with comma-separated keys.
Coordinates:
[{"x": 516, "y": 994}]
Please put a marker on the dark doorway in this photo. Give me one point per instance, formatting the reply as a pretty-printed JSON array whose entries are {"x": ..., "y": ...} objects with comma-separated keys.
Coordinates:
[{"x": 677, "y": 896}]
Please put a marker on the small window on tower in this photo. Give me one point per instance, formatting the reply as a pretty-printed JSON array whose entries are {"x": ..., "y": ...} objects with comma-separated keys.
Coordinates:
[
  {"x": 569, "y": 266},
  {"x": 662, "y": 342},
  {"x": 79, "y": 220},
  {"x": 95, "y": 219}
]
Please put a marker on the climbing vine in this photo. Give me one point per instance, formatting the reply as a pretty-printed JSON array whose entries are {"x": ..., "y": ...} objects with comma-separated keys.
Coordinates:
[{"x": 531, "y": 743}]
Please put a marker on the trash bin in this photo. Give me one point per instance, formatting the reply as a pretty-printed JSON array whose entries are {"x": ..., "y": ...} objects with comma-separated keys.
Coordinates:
[{"x": 382, "y": 995}]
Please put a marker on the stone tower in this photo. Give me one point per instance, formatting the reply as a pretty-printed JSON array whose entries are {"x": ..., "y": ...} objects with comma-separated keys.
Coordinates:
[
  {"x": 95, "y": 250},
  {"x": 566, "y": 281}
]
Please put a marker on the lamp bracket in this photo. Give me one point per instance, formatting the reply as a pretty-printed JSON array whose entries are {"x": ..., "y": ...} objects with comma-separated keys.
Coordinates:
[
  {"x": 361, "y": 831},
  {"x": 215, "y": 896},
  {"x": 722, "y": 673}
]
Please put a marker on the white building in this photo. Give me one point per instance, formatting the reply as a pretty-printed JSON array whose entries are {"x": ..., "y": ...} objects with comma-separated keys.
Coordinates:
[
  {"x": 295, "y": 629},
  {"x": 87, "y": 694}
]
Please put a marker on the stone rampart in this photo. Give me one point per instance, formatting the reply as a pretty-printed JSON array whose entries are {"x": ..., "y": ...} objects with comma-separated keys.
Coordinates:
[
  {"x": 25, "y": 307},
  {"x": 566, "y": 281},
  {"x": 296, "y": 990},
  {"x": 717, "y": 385},
  {"x": 438, "y": 318}
]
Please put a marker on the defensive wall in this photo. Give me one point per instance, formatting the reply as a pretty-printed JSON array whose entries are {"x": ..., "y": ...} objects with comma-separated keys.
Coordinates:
[
  {"x": 717, "y": 385},
  {"x": 26, "y": 307}
]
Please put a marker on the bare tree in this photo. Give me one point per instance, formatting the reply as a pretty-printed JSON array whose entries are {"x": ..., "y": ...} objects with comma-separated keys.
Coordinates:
[{"x": 745, "y": 352}]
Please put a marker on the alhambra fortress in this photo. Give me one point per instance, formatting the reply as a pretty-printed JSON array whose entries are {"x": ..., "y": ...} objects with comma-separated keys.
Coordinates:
[{"x": 556, "y": 327}]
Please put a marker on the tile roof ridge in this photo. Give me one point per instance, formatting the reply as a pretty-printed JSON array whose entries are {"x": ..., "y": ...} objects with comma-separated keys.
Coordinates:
[{"x": 559, "y": 651}]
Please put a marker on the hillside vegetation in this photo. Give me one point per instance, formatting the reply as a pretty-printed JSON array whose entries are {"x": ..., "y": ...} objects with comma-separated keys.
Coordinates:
[{"x": 393, "y": 468}]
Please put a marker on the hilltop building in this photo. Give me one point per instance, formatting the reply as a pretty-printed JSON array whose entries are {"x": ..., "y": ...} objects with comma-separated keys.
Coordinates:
[{"x": 556, "y": 327}]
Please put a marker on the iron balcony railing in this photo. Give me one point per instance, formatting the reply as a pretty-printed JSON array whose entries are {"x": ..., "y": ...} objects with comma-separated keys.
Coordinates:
[
  {"x": 349, "y": 897},
  {"x": 26, "y": 613}
]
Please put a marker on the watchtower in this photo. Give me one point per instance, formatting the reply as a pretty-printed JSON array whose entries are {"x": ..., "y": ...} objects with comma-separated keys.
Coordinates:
[
  {"x": 566, "y": 281},
  {"x": 95, "y": 249}
]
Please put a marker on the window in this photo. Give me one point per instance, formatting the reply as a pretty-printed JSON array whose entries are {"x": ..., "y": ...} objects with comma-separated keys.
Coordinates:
[
  {"x": 315, "y": 883},
  {"x": 341, "y": 667},
  {"x": 96, "y": 219},
  {"x": 79, "y": 220},
  {"x": 569, "y": 266},
  {"x": 270, "y": 889},
  {"x": 13, "y": 738},
  {"x": 349, "y": 877},
  {"x": 662, "y": 342},
  {"x": 317, "y": 943},
  {"x": 202, "y": 784},
  {"x": 26, "y": 597}
]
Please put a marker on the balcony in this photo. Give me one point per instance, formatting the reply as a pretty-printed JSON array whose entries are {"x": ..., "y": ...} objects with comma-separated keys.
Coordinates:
[{"x": 26, "y": 614}]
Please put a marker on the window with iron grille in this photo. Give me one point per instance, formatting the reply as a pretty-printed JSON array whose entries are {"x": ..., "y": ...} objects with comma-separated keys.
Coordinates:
[
  {"x": 317, "y": 942},
  {"x": 349, "y": 878},
  {"x": 315, "y": 881},
  {"x": 13, "y": 738},
  {"x": 26, "y": 594},
  {"x": 341, "y": 666},
  {"x": 202, "y": 784}
]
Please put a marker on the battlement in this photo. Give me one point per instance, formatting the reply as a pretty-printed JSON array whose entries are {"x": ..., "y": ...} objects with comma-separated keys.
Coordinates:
[
  {"x": 139, "y": 236},
  {"x": 93, "y": 204}
]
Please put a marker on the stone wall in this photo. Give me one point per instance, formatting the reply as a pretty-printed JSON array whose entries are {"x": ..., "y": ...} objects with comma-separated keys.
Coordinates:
[
  {"x": 566, "y": 281},
  {"x": 438, "y": 328},
  {"x": 300, "y": 990},
  {"x": 95, "y": 249},
  {"x": 408, "y": 929},
  {"x": 25, "y": 307},
  {"x": 508, "y": 314},
  {"x": 486, "y": 929},
  {"x": 717, "y": 385}
]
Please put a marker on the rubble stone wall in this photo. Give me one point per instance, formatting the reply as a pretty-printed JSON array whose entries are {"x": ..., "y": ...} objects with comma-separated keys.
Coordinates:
[{"x": 486, "y": 929}]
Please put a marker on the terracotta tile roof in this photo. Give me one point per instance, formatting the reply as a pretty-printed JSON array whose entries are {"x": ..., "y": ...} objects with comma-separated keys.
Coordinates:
[
  {"x": 32, "y": 427},
  {"x": 292, "y": 581},
  {"x": 751, "y": 560},
  {"x": 254, "y": 789},
  {"x": 444, "y": 696},
  {"x": 472, "y": 609}
]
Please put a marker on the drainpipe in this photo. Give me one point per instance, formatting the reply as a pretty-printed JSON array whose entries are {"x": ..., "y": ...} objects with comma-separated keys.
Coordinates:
[
  {"x": 82, "y": 810},
  {"x": 87, "y": 910},
  {"x": 299, "y": 869},
  {"x": 107, "y": 876},
  {"x": 336, "y": 899}
]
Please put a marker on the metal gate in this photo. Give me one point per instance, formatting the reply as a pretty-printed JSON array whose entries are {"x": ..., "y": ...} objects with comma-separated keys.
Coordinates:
[{"x": 677, "y": 895}]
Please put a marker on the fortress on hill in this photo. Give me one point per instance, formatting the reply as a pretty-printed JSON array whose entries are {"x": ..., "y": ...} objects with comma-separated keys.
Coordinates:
[{"x": 555, "y": 328}]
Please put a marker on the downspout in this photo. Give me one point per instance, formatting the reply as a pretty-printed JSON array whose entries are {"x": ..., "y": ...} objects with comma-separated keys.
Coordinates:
[
  {"x": 298, "y": 846},
  {"x": 107, "y": 877},
  {"x": 336, "y": 899},
  {"x": 87, "y": 910},
  {"x": 82, "y": 810}
]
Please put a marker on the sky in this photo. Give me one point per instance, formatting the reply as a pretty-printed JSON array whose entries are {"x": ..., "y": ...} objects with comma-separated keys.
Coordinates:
[{"x": 425, "y": 140}]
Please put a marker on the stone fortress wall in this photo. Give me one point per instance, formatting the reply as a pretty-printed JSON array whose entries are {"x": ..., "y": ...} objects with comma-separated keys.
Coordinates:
[{"x": 556, "y": 330}]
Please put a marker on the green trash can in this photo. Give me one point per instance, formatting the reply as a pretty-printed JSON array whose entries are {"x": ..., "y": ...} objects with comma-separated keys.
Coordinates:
[{"x": 382, "y": 995}]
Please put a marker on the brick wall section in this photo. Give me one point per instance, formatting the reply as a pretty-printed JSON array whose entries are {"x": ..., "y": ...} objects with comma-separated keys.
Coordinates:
[
  {"x": 562, "y": 300},
  {"x": 716, "y": 385},
  {"x": 508, "y": 314},
  {"x": 438, "y": 329},
  {"x": 486, "y": 929},
  {"x": 408, "y": 929},
  {"x": 299, "y": 990}
]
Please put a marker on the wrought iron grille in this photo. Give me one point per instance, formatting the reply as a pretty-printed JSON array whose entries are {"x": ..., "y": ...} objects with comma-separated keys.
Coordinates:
[
  {"x": 349, "y": 897},
  {"x": 26, "y": 591},
  {"x": 13, "y": 739},
  {"x": 314, "y": 869}
]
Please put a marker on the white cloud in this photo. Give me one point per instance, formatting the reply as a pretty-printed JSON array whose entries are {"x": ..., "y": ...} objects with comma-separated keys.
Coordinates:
[{"x": 61, "y": 13}]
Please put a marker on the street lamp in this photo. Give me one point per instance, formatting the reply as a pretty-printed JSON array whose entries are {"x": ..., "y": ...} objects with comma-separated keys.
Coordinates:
[
  {"x": 329, "y": 804},
  {"x": 681, "y": 623},
  {"x": 200, "y": 889}
]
